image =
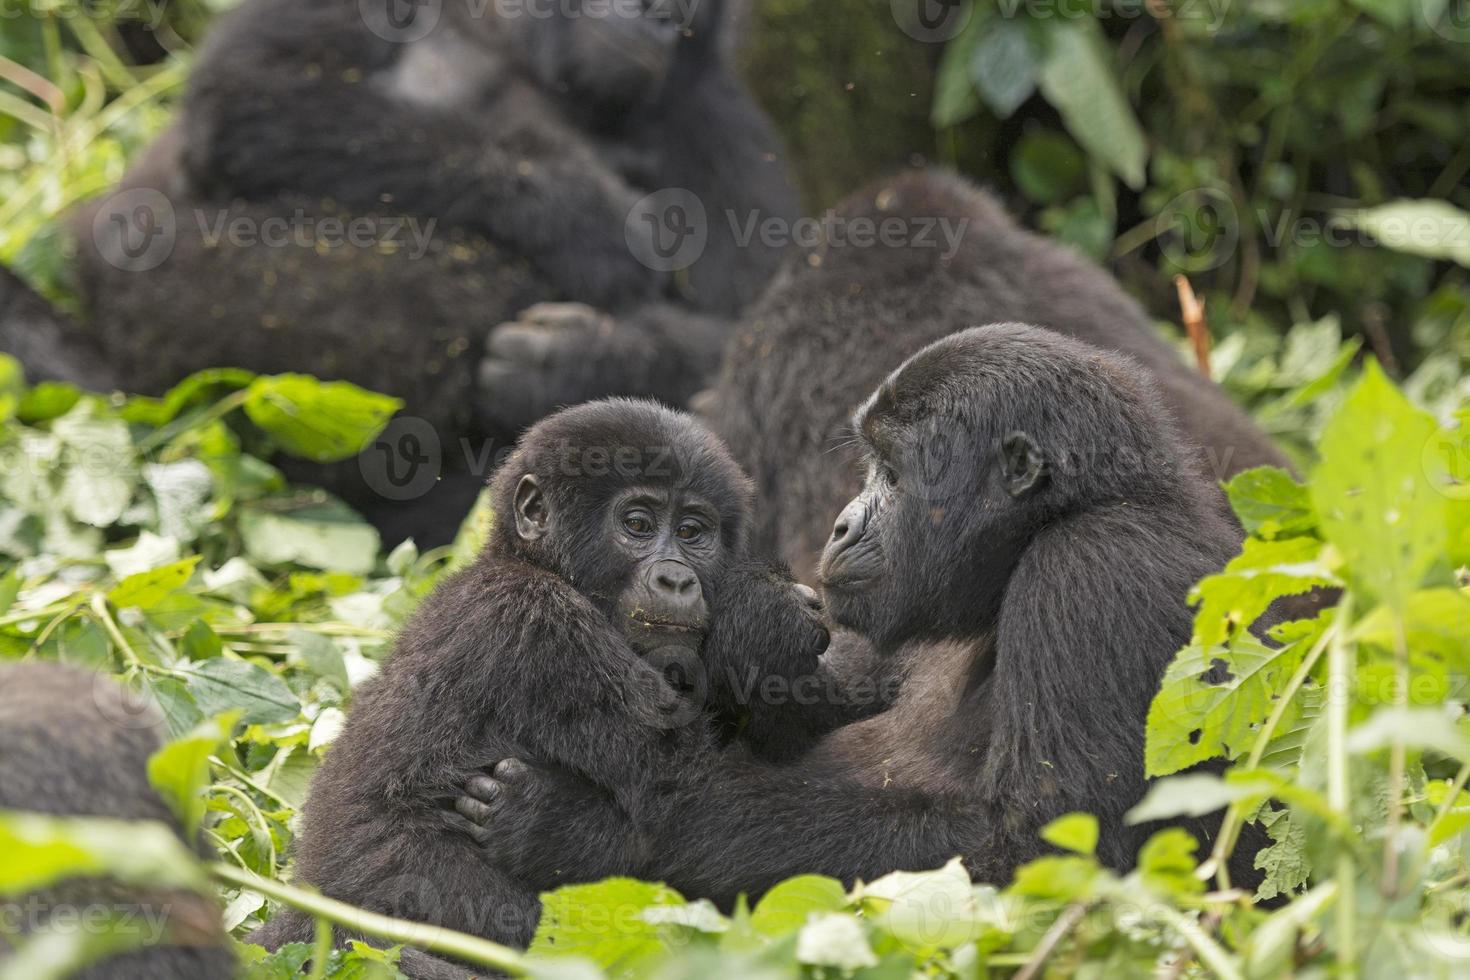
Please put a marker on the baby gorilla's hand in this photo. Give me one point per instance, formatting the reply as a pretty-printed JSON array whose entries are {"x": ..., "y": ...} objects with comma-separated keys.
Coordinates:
[{"x": 546, "y": 827}]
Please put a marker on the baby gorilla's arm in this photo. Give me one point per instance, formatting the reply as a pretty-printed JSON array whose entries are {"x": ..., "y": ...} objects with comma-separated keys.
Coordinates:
[{"x": 548, "y": 828}]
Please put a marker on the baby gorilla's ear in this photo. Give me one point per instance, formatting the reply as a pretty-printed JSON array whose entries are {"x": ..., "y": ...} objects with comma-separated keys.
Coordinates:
[
  {"x": 533, "y": 516},
  {"x": 1024, "y": 464}
]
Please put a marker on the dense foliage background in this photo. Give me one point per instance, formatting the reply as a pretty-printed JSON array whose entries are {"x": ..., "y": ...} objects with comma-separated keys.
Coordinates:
[{"x": 1303, "y": 163}]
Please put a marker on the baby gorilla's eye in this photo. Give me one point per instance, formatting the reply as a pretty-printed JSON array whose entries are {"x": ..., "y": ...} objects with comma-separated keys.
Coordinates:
[
  {"x": 689, "y": 531},
  {"x": 638, "y": 524}
]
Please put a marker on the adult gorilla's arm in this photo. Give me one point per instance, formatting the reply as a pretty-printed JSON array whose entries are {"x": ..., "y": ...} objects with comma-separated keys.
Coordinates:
[{"x": 299, "y": 99}]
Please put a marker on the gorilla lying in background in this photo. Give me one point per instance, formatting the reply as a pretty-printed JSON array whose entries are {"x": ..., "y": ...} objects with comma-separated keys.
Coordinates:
[
  {"x": 1036, "y": 585},
  {"x": 840, "y": 318},
  {"x": 77, "y": 744},
  {"x": 621, "y": 528},
  {"x": 48, "y": 345},
  {"x": 489, "y": 159}
]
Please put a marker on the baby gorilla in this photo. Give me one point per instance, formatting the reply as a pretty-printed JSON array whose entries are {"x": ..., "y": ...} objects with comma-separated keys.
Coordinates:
[{"x": 618, "y": 524}]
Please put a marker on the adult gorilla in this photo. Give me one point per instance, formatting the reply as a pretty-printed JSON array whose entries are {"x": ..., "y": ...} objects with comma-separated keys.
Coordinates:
[
  {"x": 840, "y": 318},
  {"x": 1037, "y": 585},
  {"x": 357, "y": 196}
]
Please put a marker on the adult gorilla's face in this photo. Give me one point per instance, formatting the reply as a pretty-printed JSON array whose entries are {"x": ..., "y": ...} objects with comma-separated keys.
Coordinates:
[{"x": 924, "y": 551}]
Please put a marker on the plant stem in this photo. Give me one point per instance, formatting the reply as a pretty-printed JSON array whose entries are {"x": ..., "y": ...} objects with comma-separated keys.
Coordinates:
[
  {"x": 323, "y": 949},
  {"x": 434, "y": 939},
  {"x": 1206, "y": 950},
  {"x": 1397, "y": 762},
  {"x": 1339, "y": 789}
]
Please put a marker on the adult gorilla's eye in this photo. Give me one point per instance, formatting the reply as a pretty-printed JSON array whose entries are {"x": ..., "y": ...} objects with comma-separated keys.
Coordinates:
[
  {"x": 689, "y": 531},
  {"x": 888, "y": 475},
  {"x": 638, "y": 524}
]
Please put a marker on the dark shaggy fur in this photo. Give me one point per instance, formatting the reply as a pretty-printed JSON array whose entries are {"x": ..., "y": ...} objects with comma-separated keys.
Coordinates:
[
  {"x": 76, "y": 744},
  {"x": 523, "y": 654},
  {"x": 840, "y": 318},
  {"x": 525, "y": 141},
  {"x": 48, "y": 345},
  {"x": 1033, "y": 590}
]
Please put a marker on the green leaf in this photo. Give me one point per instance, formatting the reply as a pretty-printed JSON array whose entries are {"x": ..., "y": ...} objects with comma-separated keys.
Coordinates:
[
  {"x": 321, "y": 656},
  {"x": 1211, "y": 700},
  {"x": 1285, "y": 861},
  {"x": 321, "y": 421},
  {"x": 1263, "y": 572},
  {"x": 1047, "y": 167},
  {"x": 1418, "y": 728},
  {"x": 224, "y": 685},
  {"x": 1062, "y": 879},
  {"x": 955, "y": 98},
  {"x": 1166, "y": 863},
  {"x": 786, "y": 907},
  {"x": 98, "y": 481},
  {"x": 147, "y": 589},
  {"x": 1076, "y": 832},
  {"x": 927, "y": 910},
  {"x": 42, "y": 850},
  {"x": 1433, "y": 229},
  {"x": 1435, "y": 622},
  {"x": 1270, "y": 504},
  {"x": 1372, "y": 491},
  {"x": 575, "y": 922},
  {"x": 701, "y": 916},
  {"x": 1193, "y": 795},
  {"x": 316, "y": 533},
  {"x": 1078, "y": 79},
  {"x": 180, "y": 770},
  {"x": 1003, "y": 65}
]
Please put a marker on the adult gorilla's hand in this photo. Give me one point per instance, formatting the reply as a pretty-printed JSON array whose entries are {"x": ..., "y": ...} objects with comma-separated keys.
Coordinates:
[{"x": 535, "y": 821}]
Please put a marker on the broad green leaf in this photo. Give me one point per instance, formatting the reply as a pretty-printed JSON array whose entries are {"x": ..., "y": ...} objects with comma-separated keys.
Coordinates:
[
  {"x": 1079, "y": 80},
  {"x": 42, "y": 850},
  {"x": 1418, "y": 728},
  {"x": 9, "y": 588},
  {"x": 1061, "y": 879},
  {"x": 925, "y": 910},
  {"x": 180, "y": 770},
  {"x": 317, "y": 420},
  {"x": 1048, "y": 168},
  {"x": 1270, "y": 504},
  {"x": 1285, "y": 860},
  {"x": 602, "y": 922},
  {"x": 1263, "y": 572},
  {"x": 701, "y": 916},
  {"x": 1372, "y": 492},
  {"x": 316, "y": 533},
  {"x": 1003, "y": 65},
  {"x": 783, "y": 909},
  {"x": 1211, "y": 700},
  {"x": 1448, "y": 461},
  {"x": 1193, "y": 795},
  {"x": 224, "y": 685},
  {"x": 102, "y": 465},
  {"x": 1076, "y": 832},
  {"x": 1433, "y": 229},
  {"x": 1436, "y": 622},
  {"x": 147, "y": 589}
]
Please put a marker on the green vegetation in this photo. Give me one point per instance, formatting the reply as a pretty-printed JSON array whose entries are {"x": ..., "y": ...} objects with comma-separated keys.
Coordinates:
[{"x": 152, "y": 537}]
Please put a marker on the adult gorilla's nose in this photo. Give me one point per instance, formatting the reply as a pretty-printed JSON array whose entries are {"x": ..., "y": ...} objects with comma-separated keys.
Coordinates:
[{"x": 851, "y": 525}]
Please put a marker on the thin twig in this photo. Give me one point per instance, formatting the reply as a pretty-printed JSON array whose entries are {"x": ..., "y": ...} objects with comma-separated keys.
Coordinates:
[
  {"x": 1065, "y": 923},
  {"x": 1195, "y": 324}
]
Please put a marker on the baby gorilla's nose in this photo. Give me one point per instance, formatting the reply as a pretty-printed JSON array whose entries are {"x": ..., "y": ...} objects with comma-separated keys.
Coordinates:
[{"x": 675, "y": 583}]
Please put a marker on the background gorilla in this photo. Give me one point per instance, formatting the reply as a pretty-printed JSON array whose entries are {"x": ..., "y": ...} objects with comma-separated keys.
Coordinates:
[
  {"x": 491, "y": 161},
  {"x": 46, "y": 343},
  {"x": 840, "y": 318},
  {"x": 618, "y": 522},
  {"x": 75, "y": 744},
  {"x": 1037, "y": 588}
]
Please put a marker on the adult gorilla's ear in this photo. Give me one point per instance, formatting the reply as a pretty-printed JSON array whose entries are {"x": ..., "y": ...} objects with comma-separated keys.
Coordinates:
[
  {"x": 532, "y": 514},
  {"x": 1023, "y": 464}
]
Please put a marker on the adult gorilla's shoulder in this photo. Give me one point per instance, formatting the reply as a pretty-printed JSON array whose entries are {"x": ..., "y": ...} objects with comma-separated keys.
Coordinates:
[{"x": 908, "y": 261}]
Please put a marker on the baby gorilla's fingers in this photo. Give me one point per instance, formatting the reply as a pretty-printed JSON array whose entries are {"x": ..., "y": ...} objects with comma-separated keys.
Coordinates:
[{"x": 508, "y": 770}]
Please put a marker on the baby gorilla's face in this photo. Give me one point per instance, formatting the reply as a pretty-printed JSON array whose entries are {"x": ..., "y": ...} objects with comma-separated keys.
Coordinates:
[{"x": 670, "y": 540}]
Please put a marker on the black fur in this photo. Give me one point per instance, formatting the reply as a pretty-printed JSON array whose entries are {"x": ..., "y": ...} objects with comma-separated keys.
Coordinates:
[
  {"x": 526, "y": 140},
  {"x": 48, "y": 345},
  {"x": 526, "y": 654},
  {"x": 838, "y": 319},
  {"x": 75, "y": 744},
  {"x": 1032, "y": 591}
]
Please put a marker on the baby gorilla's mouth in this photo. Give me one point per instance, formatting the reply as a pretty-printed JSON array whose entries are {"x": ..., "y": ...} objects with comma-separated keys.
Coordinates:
[{"x": 647, "y": 633}]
